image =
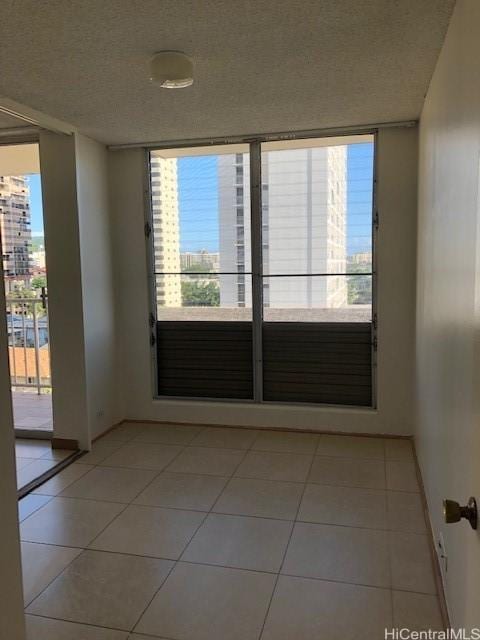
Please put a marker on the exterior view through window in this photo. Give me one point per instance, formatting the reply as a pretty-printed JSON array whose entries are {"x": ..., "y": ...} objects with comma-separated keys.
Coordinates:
[
  {"x": 263, "y": 269},
  {"x": 202, "y": 267},
  {"x": 25, "y": 283}
]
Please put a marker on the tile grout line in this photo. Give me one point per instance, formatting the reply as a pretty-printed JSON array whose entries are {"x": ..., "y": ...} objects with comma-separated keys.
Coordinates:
[
  {"x": 228, "y": 513},
  {"x": 96, "y": 626},
  {"x": 233, "y": 475},
  {"x": 191, "y": 443},
  {"x": 236, "y": 568},
  {"x": 298, "y": 482},
  {"x": 88, "y": 624},
  {"x": 50, "y": 498},
  {"x": 176, "y": 562},
  {"x": 37, "y": 491},
  {"x": 286, "y": 453},
  {"x": 389, "y": 547},
  {"x": 104, "y": 466},
  {"x": 229, "y": 478},
  {"x": 279, "y": 451},
  {"x": 74, "y": 622},
  {"x": 137, "y": 555},
  {"x": 209, "y": 512},
  {"x": 286, "y": 548},
  {"x": 299, "y": 576},
  {"x": 152, "y": 480},
  {"x": 83, "y": 548},
  {"x": 52, "y": 580}
]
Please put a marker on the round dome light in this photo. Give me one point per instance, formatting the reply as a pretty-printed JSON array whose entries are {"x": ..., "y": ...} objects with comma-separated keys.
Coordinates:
[{"x": 171, "y": 70}]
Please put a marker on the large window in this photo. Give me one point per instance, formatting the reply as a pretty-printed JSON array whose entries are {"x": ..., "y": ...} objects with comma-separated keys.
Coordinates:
[{"x": 264, "y": 291}]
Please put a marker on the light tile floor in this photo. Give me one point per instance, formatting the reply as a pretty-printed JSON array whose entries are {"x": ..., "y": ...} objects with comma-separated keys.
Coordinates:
[
  {"x": 192, "y": 533},
  {"x": 35, "y": 457},
  {"x": 32, "y": 411}
]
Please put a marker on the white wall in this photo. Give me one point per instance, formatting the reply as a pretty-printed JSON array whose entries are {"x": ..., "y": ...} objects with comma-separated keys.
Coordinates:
[
  {"x": 448, "y": 324},
  {"x": 97, "y": 284},
  {"x": 67, "y": 346},
  {"x": 396, "y": 194},
  {"x": 11, "y": 596},
  {"x": 80, "y": 285}
]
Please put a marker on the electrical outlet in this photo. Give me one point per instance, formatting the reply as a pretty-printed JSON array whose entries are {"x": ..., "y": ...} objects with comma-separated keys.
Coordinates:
[
  {"x": 442, "y": 554},
  {"x": 100, "y": 413}
]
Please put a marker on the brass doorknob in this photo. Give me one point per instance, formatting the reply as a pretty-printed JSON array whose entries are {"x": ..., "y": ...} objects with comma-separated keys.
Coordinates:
[{"x": 453, "y": 512}]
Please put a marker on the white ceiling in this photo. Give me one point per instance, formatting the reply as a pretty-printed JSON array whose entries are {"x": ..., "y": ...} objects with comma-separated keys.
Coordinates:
[{"x": 260, "y": 65}]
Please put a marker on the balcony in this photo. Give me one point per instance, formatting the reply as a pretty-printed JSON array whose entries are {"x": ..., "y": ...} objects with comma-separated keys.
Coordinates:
[
  {"x": 31, "y": 411},
  {"x": 29, "y": 356}
]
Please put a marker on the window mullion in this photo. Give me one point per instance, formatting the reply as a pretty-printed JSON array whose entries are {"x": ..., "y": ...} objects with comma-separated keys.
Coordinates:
[{"x": 257, "y": 265}]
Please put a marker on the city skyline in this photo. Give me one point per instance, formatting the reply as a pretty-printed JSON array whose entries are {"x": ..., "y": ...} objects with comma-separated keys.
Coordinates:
[{"x": 198, "y": 193}]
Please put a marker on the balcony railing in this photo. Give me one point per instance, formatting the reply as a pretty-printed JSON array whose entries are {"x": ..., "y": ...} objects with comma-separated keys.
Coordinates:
[{"x": 28, "y": 342}]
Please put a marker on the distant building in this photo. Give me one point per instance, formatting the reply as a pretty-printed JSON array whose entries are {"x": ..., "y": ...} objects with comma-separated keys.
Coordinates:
[
  {"x": 304, "y": 197},
  {"x": 15, "y": 228},
  {"x": 365, "y": 257},
  {"x": 21, "y": 330},
  {"x": 304, "y": 230},
  {"x": 164, "y": 186},
  {"x": 38, "y": 259},
  {"x": 194, "y": 259}
]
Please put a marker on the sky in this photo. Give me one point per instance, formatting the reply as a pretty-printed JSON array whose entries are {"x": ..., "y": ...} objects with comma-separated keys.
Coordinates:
[
  {"x": 36, "y": 204},
  {"x": 198, "y": 200},
  {"x": 197, "y": 177},
  {"x": 198, "y": 187},
  {"x": 359, "y": 197}
]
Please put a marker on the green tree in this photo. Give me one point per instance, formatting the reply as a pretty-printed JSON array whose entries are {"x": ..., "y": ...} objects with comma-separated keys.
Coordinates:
[
  {"x": 359, "y": 290},
  {"x": 38, "y": 282},
  {"x": 26, "y": 308},
  {"x": 22, "y": 308},
  {"x": 22, "y": 292},
  {"x": 359, "y": 286},
  {"x": 37, "y": 243},
  {"x": 200, "y": 294},
  {"x": 201, "y": 267}
]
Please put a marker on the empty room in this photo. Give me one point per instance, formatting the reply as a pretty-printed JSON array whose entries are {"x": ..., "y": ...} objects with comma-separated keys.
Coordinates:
[{"x": 239, "y": 320}]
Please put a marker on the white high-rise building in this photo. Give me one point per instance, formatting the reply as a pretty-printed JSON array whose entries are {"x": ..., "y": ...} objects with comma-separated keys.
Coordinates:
[
  {"x": 234, "y": 229},
  {"x": 164, "y": 189},
  {"x": 304, "y": 194}
]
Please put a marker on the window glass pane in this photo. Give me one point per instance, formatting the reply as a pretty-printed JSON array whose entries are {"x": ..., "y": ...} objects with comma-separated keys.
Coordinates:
[
  {"x": 201, "y": 209},
  {"x": 199, "y": 296},
  {"x": 317, "y": 298},
  {"x": 317, "y": 206},
  {"x": 201, "y": 227}
]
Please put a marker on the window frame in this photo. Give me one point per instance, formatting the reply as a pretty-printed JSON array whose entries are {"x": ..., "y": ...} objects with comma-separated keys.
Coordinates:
[{"x": 256, "y": 243}]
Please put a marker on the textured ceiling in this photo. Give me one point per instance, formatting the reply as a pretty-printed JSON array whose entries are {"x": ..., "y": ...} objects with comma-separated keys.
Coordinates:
[{"x": 260, "y": 65}]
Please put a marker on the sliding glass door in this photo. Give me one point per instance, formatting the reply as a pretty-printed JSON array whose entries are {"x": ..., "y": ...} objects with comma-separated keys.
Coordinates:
[{"x": 263, "y": 264}]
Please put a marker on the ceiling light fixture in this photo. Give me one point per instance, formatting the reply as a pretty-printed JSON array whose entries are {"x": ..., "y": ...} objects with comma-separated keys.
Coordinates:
[{"x": 171, "y": 70}]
